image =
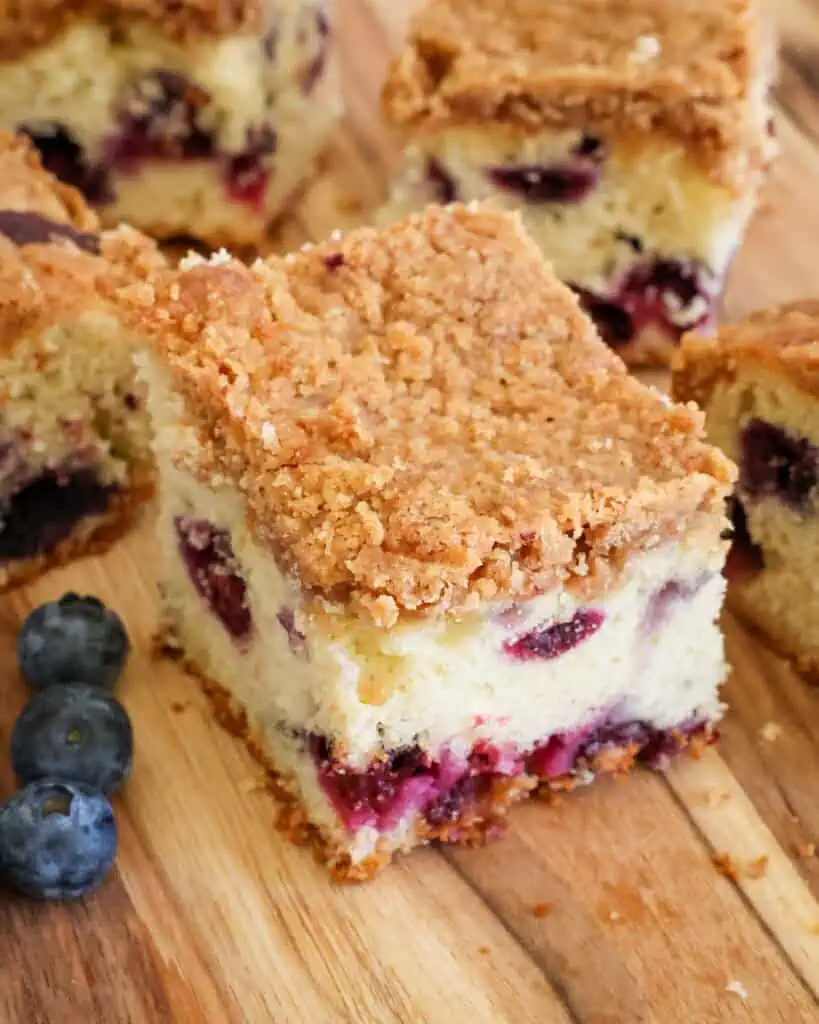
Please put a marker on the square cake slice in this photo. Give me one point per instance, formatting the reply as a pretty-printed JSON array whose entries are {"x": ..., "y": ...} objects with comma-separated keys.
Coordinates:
[
  {"x": 195, "y": 118},
  {"x": 633, "y": 137},
  {"x": 421, "y": 530},
  {"x": 75, "y": 458},
  {"x": 758, "y": 382}
]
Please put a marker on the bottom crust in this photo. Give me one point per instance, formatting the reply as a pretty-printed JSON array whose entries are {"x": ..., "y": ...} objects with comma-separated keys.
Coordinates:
[
  {"x": 478, "y": 823},
  {"x": 91, "y": 536}
]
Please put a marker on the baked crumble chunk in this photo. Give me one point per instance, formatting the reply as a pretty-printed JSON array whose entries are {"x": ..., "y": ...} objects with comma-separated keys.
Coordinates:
[
  {"x": 758, "y": 381},
  {"x": 633, "y": 137},
  {"x": 198, "y": 118},
  {"x": 422, "y": 533},
  {"x": 75, "y": 458}
]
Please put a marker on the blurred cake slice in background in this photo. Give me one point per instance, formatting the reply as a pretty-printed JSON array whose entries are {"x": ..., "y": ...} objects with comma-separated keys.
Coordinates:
[
  {"x": 194, "y": 118},
  {"x": 633, "y": 137},
  {"x": 75, "y": 459},
  {"x": 758, "y": 382}
]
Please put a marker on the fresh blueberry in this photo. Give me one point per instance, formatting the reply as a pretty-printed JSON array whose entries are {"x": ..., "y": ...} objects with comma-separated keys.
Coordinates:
[
  {"x": 74, "y": 732},
  {"x": 57, "y": 840},
  {"x": 75, "y": 639}
]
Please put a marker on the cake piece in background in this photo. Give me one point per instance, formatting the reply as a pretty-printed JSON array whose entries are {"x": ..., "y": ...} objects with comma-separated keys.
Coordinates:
[
  {"x": 75, "y": 458},
  {"x": 422, "y": 533},
  {"x": 633, "y": 137},
  {"x": 758, "y": 382},
  {"x": 194, "y": 119}
]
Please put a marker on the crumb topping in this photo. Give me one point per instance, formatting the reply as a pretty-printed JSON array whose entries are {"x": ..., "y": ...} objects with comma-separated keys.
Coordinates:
[
  {"x": 422, "y": 418},
  {"x": 69, "y": 263},
  {"x": 686, "y": 67},
  {"x": 783, "y": 339},
  {"x": 32, "y": 23}
]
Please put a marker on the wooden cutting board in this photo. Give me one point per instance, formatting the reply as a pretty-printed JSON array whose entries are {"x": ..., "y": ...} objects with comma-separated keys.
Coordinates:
[{"x": 605, "y": 909}]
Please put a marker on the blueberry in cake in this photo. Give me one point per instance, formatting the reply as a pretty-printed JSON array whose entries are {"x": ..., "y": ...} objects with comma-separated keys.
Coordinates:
[
  {"x": 198, "y": 118},
  {"x": 75, "y": 457},
  {"x": 422, "y": 532},
  {"x": 633, "y": 137},
  {"x": 757, "y": 381}
]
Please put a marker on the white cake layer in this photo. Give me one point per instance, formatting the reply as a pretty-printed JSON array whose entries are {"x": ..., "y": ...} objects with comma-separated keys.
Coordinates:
[
  {"x": 436, "y": 682},
  {"x": 67, "y": 391},
  {"x": 78, "y": 82},
  {"x": 653, "y": 192},
  {"x": 170, "y": 198},
  {"x": 78, "y": 78}
]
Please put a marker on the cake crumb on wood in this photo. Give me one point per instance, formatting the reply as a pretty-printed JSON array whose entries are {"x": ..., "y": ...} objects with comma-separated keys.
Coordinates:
[
  {"x": 805, "y": 850},
  {"x": 726, "y": 865},
  {"x": 542, "y": 909},
  {"x": 757, "y": 868}
]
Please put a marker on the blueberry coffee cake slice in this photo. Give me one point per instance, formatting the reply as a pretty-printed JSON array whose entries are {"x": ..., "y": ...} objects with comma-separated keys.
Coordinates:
[
  {"x": 758, "y": 382},
  {"x": 632, "y": 136},
  {"x": 422, "y": 532},
  {"x": 75, "y": 458},
  {"x": 199, "y": 117}
]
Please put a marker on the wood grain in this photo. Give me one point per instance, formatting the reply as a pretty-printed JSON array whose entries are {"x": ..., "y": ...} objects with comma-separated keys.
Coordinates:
[{"x": 605, "y": 909}]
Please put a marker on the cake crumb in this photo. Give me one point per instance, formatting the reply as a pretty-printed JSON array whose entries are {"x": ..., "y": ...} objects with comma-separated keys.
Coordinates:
[
  {"x": 715, "y": 798},
  {"x": 615, "y": 916},
  {"x": 646, "y": 48},
  {"x": 726, "y": 865},
  {"x": 542, "y": 909},
  {"x": 483, "y": 950},
  {"x": 178, "y": 707},
  {"x": 805, "y": 850},
  {"x": 737, "y": 988},
  {"x": 757, "y": 868},
  {"x": 771, "y": 731}
]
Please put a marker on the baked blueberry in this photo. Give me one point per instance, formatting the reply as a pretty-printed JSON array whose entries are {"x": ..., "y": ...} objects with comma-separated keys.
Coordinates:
[
  {"x": 75, "y": 639},
  {"x": 57, "y": 840},
  {"x": 74, "y": 732}
]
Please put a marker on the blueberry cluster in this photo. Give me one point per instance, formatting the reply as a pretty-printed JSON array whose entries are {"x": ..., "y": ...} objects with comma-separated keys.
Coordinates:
[{"x": 71, "y": 748}]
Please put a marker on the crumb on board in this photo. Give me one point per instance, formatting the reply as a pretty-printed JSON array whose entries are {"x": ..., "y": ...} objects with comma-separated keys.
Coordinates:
[
  {"x": 614, "y": 916},
  {"x": 178, "y": 707},
  {"x": 548, "y": 796},
  {"x": 716, "y": 797},
  {"x": 726, "y": 865},
  {"x": 737, "y": 988},
  {"x": 771, "y": 731},
  {"x": 483, "y": 950},
  {"x": 541, "y": 909},
  {"x": 757, "y": 868},
  {"x": 804, "y": 851}
]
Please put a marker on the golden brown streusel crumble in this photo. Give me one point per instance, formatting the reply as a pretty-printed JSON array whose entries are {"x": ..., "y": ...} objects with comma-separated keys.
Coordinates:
[
  {"x": 685, "y": 67},
  {"x": 50, "y": 281},
  {"x": 784, "y": 339},
  {"x": 25, "y": 24},
  {"x": 422, "y": 418}
]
